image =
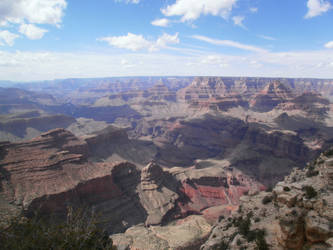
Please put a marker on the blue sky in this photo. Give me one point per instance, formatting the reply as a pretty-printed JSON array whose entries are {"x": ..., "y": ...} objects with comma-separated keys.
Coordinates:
[{"x": 48, "y": 39}]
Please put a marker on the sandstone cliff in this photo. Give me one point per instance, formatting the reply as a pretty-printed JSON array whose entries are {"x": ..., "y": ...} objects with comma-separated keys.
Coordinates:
[
  {"x": 57, "y": 169},
  {"x": 297, "y": 214}
]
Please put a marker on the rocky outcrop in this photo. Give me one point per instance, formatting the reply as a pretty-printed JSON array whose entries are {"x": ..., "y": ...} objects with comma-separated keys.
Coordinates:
[
  {"x": 312, "y": 103},
  {"x": 188, "y": 233},
  {"x": 297, "y": 214},
  {"x": 273, "y": 94},
  {"x": 158, "y": 193},
  {"x": 248, "y": 146},
  {"x": 186, "y": 202},
  {"x": 19, "y": 126},
  {"x": 52, "y": 171}
]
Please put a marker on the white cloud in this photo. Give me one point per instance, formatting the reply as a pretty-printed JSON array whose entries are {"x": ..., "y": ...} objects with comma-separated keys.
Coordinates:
[
  {"x": 32, "y": 11},
  {"x": 190, "y": 10},
  {"x": 238, "y": 20},
  {"x": 7, "y": 38},
  {"x": 215, "y": 60},
  {"x": 32, "y": 31},
  {"x": 138, "y": 42},
  {"x": 161, "y": 22},
  {"x": 254, "y": 10},
  {"x": 126, "y": 64},
  {"x": 329, "y": 45},
  {"x": 28, "y": 66},
  {"x": 166, "y": 39},
  {"x": 229, "y": 43},
  {"x": 131, "y": 41},
  {"x": 267, "y": 37},
  {"x": 317, "y": 7}
]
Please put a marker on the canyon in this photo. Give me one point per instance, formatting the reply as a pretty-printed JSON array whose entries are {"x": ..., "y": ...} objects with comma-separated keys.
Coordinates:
[{"x": 161, "y": 159}]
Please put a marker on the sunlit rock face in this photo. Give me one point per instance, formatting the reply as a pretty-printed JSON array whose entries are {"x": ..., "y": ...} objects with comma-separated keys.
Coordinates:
[{"x": 297, "y": 214}]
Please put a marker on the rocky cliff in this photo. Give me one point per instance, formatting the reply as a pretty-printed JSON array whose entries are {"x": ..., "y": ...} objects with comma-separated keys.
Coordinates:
[
  {"x": 52, "y": 171},
  {"x": 297, "y": 214},
  {"x": 57, "y": 169}
]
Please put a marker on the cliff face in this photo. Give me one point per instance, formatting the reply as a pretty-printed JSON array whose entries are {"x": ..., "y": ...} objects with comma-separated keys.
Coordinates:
[
  {"x": 185, "y": 202},
  {"x": 297, "y": 214},
  {"x": 54, "y": 171},
  {"x": 273, "y": 94}
]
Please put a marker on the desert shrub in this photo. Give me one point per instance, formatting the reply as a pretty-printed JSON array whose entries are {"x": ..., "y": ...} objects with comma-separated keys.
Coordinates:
[
  {"x": 249, "y": 214},
  {"x": 311, "y": 172},
  {"x": 223, "y": 246},
  {"x": 78, "y": 232},
  {"x": 329, "y": 152},
  {"x": 267, "y": 199},
  {"x": 286, "y": 189},
  {"x": 309, "y": 192},
  {"x": 257, "y": 219},
  {"x": 240, "y": 209},
  {"x": 221, "y": 217},
  {"x": 260, "y": 240},
  {"x": 243, "y": 225}
]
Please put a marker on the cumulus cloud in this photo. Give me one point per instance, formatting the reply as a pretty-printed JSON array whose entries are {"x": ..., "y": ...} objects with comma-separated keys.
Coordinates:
[
  {"x": 32, "y": 31},
  {"x": 163, "y": 22},
  {"x": 32, "y": 11},
  {"x": 329, "y": 45},
  {"x": 7, "y": 38},
  {"x": 317, "y": 7},
  {"x": 24, "y": 14},
  {"x": 166, "y": 39},
  {"x": 138, "y": 42},
  {"x": 238, "y": 20},
  {"x": 130, "y": 42},
  {"x": 254, "y": 10},
  {"x": 190, "y": 10},
  {"x": 229, "y": 43}
]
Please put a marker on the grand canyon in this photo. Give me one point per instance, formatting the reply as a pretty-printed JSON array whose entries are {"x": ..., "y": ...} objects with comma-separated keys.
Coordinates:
[{"x": 173, "y": 162}]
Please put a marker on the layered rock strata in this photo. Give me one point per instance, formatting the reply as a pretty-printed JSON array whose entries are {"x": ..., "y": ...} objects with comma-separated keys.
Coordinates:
[{"x": 297, "y": 214}]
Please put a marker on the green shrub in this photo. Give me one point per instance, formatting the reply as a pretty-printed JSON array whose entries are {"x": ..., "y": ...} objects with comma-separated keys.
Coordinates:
[
  {"x": 260, "y": 240},
  {"x": 78, "y": 232},
  {"x": 329, "y": 152},
  {"x": 221, "y": 217},
  {"x": 223, "y": 246},
  {"x": 309, "y": 192},
  {"x": 267, "y": 199},
  {"x": 311, "y": 173},
  {"x": 249, "y": 214},
  {"x": 243, "y": 225}
]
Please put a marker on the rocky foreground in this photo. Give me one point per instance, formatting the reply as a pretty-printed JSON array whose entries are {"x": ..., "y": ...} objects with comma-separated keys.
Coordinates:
[{"x": 297, "y": 214}]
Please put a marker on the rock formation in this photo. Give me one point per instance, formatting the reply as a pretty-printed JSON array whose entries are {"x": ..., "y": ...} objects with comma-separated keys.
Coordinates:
[
  {"x": 57, "y": 169},
  {"x": 297, "y": 214},
  {"x": 273, "y": 94}
]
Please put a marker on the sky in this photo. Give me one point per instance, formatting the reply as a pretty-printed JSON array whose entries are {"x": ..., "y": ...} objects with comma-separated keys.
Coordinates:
[{"x": 52, "y": 39}]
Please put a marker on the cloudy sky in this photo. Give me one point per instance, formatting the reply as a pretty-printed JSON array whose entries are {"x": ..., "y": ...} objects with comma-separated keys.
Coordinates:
[{"x": 48, "y": 39}]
